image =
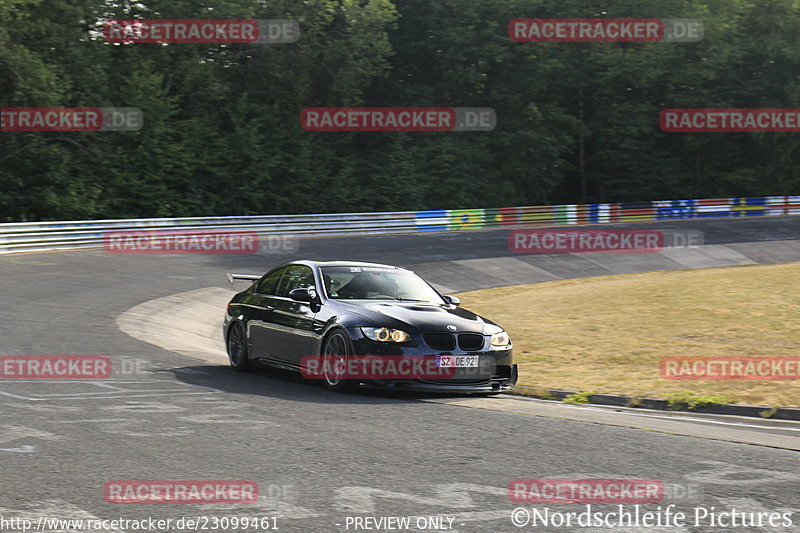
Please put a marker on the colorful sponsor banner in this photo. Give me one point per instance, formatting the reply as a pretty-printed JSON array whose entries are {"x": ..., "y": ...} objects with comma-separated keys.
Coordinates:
[
  {"x": 565, "y": 214},
  {"x": 180, "y": 492},
  {"x": 50, "y": 367},
  {"x": 748, "y": 207},
  {"x": 465, "y": 219},
  {"x": 508, "y": 216},
  {"x": 503, "y": 216},
  {"x": 431, "y": 220},
  {"x": 635, "y": 211},
  {"x": 598, "y": 213},
  {"x": 734, "y": 368},
  {"x": 537, "y": 214},
  {"x": 713, "y": 208},
  {"x": 674, "y": 209},
  {"x": 586, "y": 491},
  {"x": 793, "y": 205},
  {"x": 776, "y": 205},
  {"x": 461, "y": 219}
]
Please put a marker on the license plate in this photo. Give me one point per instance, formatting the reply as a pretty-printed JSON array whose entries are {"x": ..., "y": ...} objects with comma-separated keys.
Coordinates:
[{"x": 457, "y": 361}]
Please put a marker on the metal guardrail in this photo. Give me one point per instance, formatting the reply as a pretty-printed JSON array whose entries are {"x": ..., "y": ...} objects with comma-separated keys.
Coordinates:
[{"x": 42, "y": 236}]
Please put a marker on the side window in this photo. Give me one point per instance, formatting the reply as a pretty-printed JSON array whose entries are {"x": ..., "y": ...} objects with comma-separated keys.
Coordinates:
[
  {"x": 296, "y": 277},
  {"x": 269, "y": 284}
]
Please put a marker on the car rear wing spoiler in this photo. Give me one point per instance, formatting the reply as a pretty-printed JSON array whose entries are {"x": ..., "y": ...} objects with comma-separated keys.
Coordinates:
[{"x": 250, "y": 277}]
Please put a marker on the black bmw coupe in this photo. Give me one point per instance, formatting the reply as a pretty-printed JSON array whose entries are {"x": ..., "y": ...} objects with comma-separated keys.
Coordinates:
[{"x": 352, "y": 324}]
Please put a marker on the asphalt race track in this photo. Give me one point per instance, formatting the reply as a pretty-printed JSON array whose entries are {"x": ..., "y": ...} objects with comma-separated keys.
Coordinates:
[{"x": 323, "y": 459}]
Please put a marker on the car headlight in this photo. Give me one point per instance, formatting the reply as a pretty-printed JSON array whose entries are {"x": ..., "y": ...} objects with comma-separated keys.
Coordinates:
[
  {"x": 500, "y": 338},
  {"x": 386, "y": 334}
]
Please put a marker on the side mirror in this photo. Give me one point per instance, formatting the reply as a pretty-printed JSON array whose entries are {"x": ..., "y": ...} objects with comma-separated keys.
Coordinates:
[
  {"x": 308, "y": 294},
  {"x": 452, "y": 300}
]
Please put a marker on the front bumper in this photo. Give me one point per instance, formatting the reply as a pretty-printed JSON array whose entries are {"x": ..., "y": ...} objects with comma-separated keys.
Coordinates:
[
  {"x": 490, "y": 386},
  {"x": 495, "y": 373}
]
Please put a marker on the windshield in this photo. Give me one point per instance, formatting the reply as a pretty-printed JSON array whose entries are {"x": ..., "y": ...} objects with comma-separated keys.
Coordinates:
[{"x": 377, "y": 283}]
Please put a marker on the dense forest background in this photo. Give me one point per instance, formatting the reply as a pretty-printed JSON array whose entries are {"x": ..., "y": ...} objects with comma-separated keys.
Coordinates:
[{"x": 575, "y": 122}]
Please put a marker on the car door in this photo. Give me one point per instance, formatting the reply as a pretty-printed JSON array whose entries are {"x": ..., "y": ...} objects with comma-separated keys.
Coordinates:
[
  {"x": 293, "y": 322},
  {"x": 261, "y": 306}
]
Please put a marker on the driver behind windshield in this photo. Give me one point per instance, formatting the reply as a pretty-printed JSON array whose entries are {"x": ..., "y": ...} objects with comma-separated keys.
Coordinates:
[{"x": 367, "y": 285}]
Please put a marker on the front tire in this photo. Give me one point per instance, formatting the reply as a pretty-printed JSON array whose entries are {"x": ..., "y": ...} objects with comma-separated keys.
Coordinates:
[
  {"x": 335, "y": 354},
  {"x": 237, "y": 348}
]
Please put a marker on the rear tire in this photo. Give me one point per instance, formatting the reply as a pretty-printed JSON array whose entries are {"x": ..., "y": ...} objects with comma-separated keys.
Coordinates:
[
  {"x": 335, "y": 354},
  {"x": 237, "y": 348}
]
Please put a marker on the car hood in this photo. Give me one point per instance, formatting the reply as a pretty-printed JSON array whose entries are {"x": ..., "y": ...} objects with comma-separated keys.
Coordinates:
[{"x": 415, "y": 316}]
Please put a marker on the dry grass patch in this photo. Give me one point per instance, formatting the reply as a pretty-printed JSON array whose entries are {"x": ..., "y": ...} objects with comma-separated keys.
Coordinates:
[{"x": 608, "y": 334}]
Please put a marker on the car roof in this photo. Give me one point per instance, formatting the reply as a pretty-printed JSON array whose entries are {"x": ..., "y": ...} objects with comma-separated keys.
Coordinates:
[{"x": 345, "y": 264}]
